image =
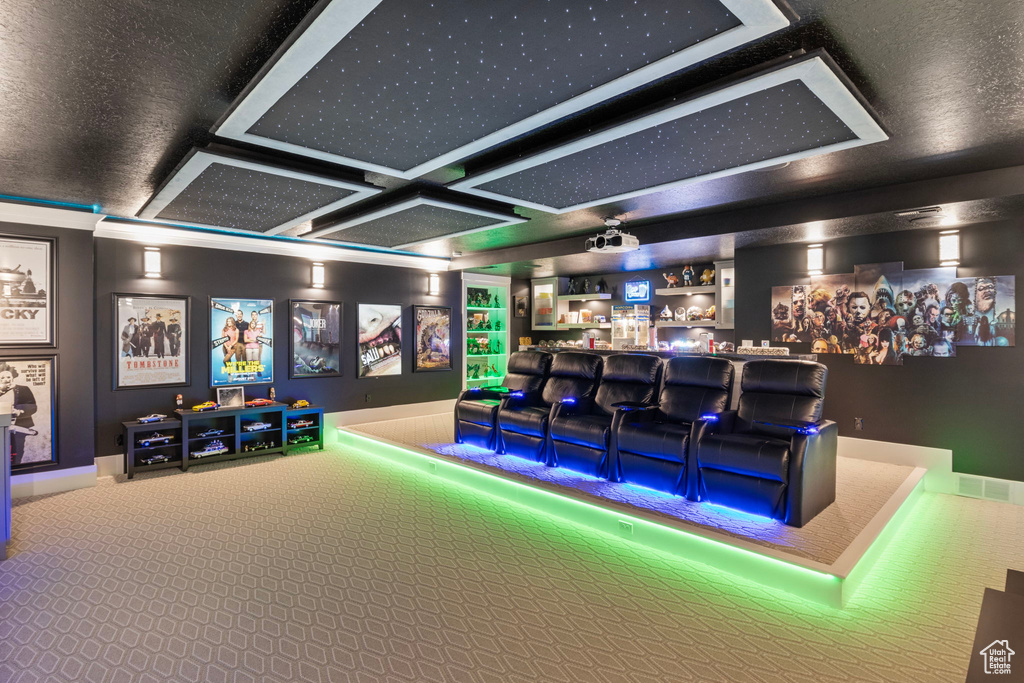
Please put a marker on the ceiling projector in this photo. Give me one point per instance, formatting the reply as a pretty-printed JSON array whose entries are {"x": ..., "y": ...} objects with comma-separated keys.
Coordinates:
[{"x": 613, "y": 241}]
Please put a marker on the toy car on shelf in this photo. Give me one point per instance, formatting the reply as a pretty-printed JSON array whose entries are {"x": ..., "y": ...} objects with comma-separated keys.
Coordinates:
[
  {"x": 215, "y": 447},
  {"x": 155, "y": 439},
  {"x": 208, "y": 405},
  {"x": 258, "y": 446},
  {"x": 304, "y": 438},
  {"x": 212, "y": 431},
  {"x": 258, "y": 402},
  {"x": 256, "y": 426},
  {"x": 154, "y": 459},
  {"x": 301, "y": 403},
  {"x": 152, "y": 417},
  {"x": 300, "y": 424}
]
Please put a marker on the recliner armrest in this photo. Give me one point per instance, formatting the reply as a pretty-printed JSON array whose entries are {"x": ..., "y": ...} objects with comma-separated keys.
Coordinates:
[
  {"x": 564, "y": 408},
  {"x": 478, "y": 393},
  {"x": 812, "y": 472},
  {"x": 630, "y": 406},
  {"x": 717, "y": 423},
  {"x": 797, "y": 426}
]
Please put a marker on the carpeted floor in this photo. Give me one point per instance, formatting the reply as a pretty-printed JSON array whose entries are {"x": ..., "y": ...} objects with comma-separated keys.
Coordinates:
[
  {"x": 339, "y": 566},
  {"x": 862, "y": 488}
]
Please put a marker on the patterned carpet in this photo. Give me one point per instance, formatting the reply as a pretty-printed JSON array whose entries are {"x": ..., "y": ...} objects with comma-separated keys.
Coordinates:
[
  {"x": 340, "y": 566},
  {"x": 863, "y": 488}
]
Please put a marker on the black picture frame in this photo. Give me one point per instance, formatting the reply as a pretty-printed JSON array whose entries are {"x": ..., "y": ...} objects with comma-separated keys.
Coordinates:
[
  {"x": 362, "y": 370},
  {"x": 292, "y": 374},
  {"x": 416, "y": 338},
  {"x": 51, "y": 289},
  {"x": 520, "y": 307},
  {"x": 186, "y": 302},
  {"x": 52, "y": 359},
  {"x": 212, "y": 360}
]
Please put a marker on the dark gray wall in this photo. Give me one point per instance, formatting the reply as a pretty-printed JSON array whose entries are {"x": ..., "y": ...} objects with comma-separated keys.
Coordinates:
[
  {"x": 970, "y": 404},
  {"x": 520, "y": 327},
  {"x": 74, "y": 351},
  {"x": 201, "y": 273}
]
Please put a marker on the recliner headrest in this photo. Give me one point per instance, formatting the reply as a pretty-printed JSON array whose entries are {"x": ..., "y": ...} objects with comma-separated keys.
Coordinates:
[
  {"x": 794, "y": 377},
  {"x": 695, "y": 371},
  {"x": 580, "y": 365},
  {"x": 529, "y": 363},
  {"x": 631, "y": 367}
]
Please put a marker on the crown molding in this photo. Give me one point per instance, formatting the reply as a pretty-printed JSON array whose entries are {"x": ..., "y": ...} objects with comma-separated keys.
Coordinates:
[
  {"x": 156, "y": 235},
  {"x": 48, "y": 216}
]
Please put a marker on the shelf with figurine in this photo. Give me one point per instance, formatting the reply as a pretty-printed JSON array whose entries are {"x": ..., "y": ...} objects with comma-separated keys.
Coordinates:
[
  {"x": 687, "y": 282},
  {"x": 694, "y": 316},
  {"x": 487, "y": 322}
]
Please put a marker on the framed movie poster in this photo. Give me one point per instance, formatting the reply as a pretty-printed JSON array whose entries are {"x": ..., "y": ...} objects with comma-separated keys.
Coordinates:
[
  {"x": 315, "y": 341},
  {"x": 27, "y": 287},
  {"x": 380, "y": 340},
  {"x": 28, "y": 392},
  {"x": 433, "y": 338},
  {"x": 151, "y": 341},
  {"x": 241, "y": 341},
  {"x": 520, "y": 307}
]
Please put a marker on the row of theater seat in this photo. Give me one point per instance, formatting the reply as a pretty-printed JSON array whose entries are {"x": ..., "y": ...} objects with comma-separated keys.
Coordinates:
[{"x": 666, "y": 425}]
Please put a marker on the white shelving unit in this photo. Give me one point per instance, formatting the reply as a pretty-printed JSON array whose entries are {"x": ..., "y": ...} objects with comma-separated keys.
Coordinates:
[{"x": 496, "y": 285}]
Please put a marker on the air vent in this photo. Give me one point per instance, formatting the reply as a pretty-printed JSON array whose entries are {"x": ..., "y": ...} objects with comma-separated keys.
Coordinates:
[
  {"x": 927, "y": 211},
  {"x": 997, "y": 490},
  {"x": 969, "y": 486}
]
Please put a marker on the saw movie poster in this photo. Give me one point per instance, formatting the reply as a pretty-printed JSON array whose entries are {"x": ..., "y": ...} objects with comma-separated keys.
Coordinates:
[
  {"x": 242, "y": 341},
  {"x": 26, "y": 292}
]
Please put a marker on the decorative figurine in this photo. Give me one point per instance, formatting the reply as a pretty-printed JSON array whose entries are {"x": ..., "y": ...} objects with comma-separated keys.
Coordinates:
[
  {"x": 258, "y": 403},
  {"x": 206, "y": 405},
  {"x": 154, "y": 439},
  {"x": 710, "y": 313},
  {"x": 601, "y": 287},
  {"x": 586, "y": 285},
  {"x": 301, "y": 403},
  {"x": 152, "y": 417},
  {"x": 215, "y": 447},
  {"x": 671, "y": 279},
  {"x": 688, "y": 276},
  {"x": 707, "y": 277},
  {"x": 256, "y": 426},
  {"x": 572, "y": 287},
  {"x": 694, "y": 313},
  {"x": 495, "y": 302},
  {"x": 177, "y": 400},
  {"x": 273, "y": 394},
  {"x": 666, "y": 313},
  {"x": 497, "y": 326}
]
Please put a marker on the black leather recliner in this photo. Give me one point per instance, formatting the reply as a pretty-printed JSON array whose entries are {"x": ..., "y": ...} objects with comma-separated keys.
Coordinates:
[
  {"x": 652, "y": 442},
  {"x": 580, "y": 430},
  {"x": 777, "y": 457},
  {"x": 476, "y": 410},
  {"x": 523, "y": 421}
]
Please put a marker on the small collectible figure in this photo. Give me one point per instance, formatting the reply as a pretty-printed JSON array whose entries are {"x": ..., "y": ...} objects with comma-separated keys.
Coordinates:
[
  {"x": 572, "y": 287},
  {"x": 496, "y": 303},
  {"x": 694, "y": 313},
  {"x": 497, "y": 326},
  {"x": 707, "y": 277},
  {"x": 688, "y": 276},
  {"x": 177, "y": 400},
  {"x": 710, "y": 313},
  {"x": 273, "y": 394},
  {"x": 666, "y": 313},
  {"x": 601, "y": 287},
  {"x": 671, "y": 279},
  {"x": 586, "y": 285}
]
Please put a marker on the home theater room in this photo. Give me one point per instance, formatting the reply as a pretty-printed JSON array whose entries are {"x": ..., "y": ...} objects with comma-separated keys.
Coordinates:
[{"x": 610, "y": 341}]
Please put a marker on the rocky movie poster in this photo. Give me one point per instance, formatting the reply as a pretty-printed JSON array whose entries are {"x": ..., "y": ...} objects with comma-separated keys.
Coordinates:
[
  {"x": 242, "y": 341},
  {"x": 26, "y": 392},
  {"x": 380, "y": 340},
  {"x": 433, "y": 338},
  {"x": 26, "y": 304},
  {"x": 152, "y": 334},
  {"x": 882, "y": 313}
]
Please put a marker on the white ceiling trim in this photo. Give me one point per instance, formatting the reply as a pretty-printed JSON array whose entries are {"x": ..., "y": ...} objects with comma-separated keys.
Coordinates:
[
  {"x": 156, "y": 235},
  {"x": 814, "y": 73},
  {"x": 200, "y": 160},
  {"x": 44, "y": 215},
  {"x": 759, "y": 18}
]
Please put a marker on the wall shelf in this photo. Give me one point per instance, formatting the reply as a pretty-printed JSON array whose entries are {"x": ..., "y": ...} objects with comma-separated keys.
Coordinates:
[
  {"x": 685, "y": 291},
  {"x": 584, "y": 326},
  {"x": 584, "y": 297},
  {"x": 684, "y": 323}
]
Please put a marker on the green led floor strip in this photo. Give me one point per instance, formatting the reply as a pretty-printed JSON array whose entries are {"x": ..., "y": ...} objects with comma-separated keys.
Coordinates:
[{"x": 809, "y": 583}]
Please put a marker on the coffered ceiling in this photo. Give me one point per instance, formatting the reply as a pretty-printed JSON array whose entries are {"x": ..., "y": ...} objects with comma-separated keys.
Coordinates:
[{"x": 466, "y": 126}]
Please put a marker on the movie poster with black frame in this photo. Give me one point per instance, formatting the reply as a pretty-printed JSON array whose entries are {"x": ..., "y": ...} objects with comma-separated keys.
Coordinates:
[
  {"x": 241, "y": 341},
  {"x": 379, "y": 339},
  {"x": 314, "y": 344},
  {"x": 151, "y": 341},
  {"x": 28, "y": 291},
  {"x": 432, "y": 345},
  {"x": 520, "y": 309},
  {"x": 28, "y": 391}
]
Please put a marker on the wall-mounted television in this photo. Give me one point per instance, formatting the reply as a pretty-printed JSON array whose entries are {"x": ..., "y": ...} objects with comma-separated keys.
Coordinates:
[{"x": 638, "y": 290}]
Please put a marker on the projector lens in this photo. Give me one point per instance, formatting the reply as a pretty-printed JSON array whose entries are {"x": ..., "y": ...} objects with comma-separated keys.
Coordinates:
[{"x": 600, "y": 242}]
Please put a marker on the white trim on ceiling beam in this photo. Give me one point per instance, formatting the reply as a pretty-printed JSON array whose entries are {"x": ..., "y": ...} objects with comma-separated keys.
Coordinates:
[
  {"x": 758, "y": 18},
  {"x": 814, "y": 73},
  {"x": 45, "y": 215},
  {"x": 156, "y": 235},
  {"x": 200, "y": 160}
]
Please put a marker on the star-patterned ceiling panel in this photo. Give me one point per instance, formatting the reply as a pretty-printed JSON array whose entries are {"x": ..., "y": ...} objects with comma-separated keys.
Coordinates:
[
  {"x": 414, "y": 222},
  {"x": 794, "y": 112},
  {"x": 407, "y": 87},
  {"x": 218, "y": 191}
]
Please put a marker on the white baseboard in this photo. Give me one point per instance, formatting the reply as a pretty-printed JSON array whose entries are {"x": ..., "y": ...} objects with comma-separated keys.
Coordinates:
[
  {"x": 57, "y": 481},
  {"x": 109, "y": 465}
]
